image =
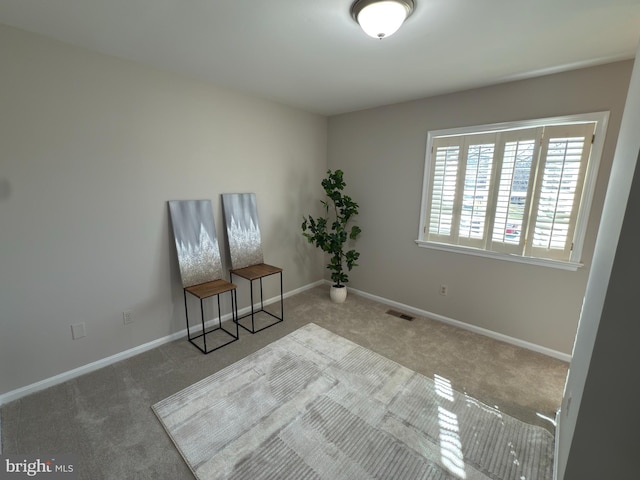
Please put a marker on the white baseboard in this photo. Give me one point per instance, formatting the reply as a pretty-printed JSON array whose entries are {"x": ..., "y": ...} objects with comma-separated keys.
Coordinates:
[
  {"x": 90, "y": 367},
  {"x": 103, "y": 362},
  {"x": 482, "y": 331}
]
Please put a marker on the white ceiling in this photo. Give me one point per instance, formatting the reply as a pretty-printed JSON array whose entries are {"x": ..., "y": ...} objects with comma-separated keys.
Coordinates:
[{"x": 311, "y": 54}]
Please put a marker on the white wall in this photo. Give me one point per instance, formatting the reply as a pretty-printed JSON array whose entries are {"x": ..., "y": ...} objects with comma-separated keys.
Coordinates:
[
  {"x": 382, "y": 153},
  {"x": 597, "y": 435},
  {"x": 91, "y": 149}
]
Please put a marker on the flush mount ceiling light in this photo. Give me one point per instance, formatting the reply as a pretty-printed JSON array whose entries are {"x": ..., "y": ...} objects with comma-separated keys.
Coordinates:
[{"x": 381, "y": 18}]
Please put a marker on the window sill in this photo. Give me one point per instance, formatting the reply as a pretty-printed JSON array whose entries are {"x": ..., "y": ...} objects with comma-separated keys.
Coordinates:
[{"x": 541, "y": 262}]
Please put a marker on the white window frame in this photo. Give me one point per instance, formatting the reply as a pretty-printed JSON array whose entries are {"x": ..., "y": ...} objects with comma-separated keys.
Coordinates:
[{"x": 575, "y": 261}]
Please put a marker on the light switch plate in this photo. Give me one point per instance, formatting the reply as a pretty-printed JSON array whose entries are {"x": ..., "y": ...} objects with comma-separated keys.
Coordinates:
[{"x": 77, "y": 331}]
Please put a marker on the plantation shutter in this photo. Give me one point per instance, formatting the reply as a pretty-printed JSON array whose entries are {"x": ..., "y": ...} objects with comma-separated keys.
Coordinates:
[
  {"x": 518, "y": 163},
  {"x": 565, "y": 151},
  {"x": 443, "y": 180},
  {"x": 515, "y": 192},
  {"x": 477, "y": 172}
]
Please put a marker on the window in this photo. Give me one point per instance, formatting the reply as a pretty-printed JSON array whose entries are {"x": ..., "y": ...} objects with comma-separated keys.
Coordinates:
[{"x": 519, "y": 191}]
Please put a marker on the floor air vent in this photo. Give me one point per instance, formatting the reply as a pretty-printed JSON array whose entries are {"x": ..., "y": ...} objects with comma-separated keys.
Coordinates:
[{"x": 401, "y": 315}]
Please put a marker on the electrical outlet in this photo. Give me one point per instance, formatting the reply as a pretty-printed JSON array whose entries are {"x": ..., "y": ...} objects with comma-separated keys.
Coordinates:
[
  {"x": 444, "y": 290},
  {"x": 127, "y": 317},
  {"x": 78, "y": 331}
]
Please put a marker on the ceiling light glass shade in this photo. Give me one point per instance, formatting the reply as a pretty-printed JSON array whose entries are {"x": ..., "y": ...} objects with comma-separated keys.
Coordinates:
[{"x": 381, "y": 18}]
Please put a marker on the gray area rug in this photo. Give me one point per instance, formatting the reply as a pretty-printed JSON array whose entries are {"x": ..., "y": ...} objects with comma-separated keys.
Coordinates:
[{"x": 314, "y": 405}]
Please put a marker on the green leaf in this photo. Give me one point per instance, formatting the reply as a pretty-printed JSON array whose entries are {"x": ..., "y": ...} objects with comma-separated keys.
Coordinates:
[{"x": 331, "y": 233}]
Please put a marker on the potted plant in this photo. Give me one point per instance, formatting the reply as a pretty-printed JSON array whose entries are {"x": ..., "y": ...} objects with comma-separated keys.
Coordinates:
[{"x": 331, "y": 232}]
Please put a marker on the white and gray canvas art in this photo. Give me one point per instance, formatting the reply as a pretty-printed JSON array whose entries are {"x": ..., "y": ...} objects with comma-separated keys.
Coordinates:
[
  {"x": 194, "y": 231},
  {"x": 243, "y": 229}
]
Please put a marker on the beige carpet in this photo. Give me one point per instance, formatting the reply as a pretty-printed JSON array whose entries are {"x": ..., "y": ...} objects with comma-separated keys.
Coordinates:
[{"x": 314, "y": 405}]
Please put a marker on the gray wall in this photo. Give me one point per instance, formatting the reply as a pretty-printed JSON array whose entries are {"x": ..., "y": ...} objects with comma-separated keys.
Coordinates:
[
  {"x": 382, "y": 153},
  {"x": 91, "y": 149},
  {"x": 597, "y": 433}
]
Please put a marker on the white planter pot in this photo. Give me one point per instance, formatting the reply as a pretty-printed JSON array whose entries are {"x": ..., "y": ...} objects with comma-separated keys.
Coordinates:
[{"x": 338, "y": 294}]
